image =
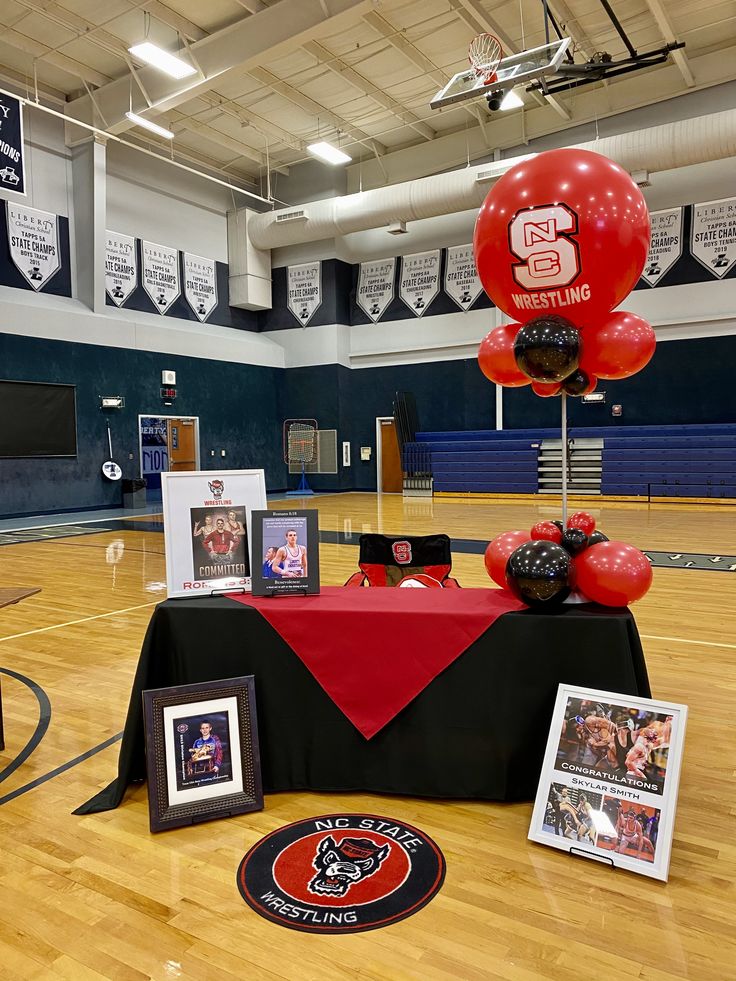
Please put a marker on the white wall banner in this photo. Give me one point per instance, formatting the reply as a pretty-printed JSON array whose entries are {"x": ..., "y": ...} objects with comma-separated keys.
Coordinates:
[
  {"x": 160, "y": 274},
  {"x": 200, "y": 284},
  {"x": 304, "y": 290},
  {"x": 33, "y": 237},
  {"x": 121, "y": 267},
  {"x": 420, "y": 280},
  {"x": 462, "y": 282},
  {"x": 666, "y": 244},
  {"x": 376, "y": 287},
  {"x": 12, "y": 163},
  {"x": 713, "y": 236}
]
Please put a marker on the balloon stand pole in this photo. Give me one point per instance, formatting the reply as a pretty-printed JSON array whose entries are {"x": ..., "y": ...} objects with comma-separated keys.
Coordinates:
[{"x": 563, "y": 401}]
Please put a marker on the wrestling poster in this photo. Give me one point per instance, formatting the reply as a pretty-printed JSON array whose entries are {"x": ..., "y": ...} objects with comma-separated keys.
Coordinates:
[
  {"x": 207, "y": 529},
  {"x": 608, "y": 787}
]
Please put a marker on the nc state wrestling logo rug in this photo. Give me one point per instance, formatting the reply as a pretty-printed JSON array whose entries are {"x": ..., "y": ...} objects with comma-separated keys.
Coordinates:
[{"x": 341, "y": 873}]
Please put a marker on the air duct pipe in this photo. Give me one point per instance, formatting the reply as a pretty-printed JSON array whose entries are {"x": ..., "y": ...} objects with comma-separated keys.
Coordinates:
[{"x": 666, "y": 147}]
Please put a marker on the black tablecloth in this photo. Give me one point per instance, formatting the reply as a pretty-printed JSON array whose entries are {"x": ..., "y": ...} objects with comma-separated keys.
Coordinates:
[{"x": 478, "y": 730}]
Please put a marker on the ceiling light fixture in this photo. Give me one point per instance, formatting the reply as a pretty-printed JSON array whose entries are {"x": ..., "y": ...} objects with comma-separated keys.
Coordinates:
[
  {"x": 147, "y": 124},
  {"x": 151, "y": 54},
  {"x": 511, "y": 101},
  {"x": 329, "y": 153}
]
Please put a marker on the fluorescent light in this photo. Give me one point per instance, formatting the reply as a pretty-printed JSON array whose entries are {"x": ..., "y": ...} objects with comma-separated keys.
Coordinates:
[
  {"x": 147, "y": 124},
  {"x": 511, "y": 101},
  {"x": 151, "y": 54},
  {"x": 329, "y": 153}
]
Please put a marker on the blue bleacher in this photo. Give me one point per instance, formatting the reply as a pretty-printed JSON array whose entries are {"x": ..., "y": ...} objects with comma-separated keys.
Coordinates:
[{"x": 640, "y": 461}]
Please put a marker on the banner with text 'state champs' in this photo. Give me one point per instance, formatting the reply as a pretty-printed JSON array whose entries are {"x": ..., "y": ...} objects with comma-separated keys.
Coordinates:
[
  {"x": 12, "y": 162},
  {"x": 121, "y": 267},
  {"x": 33, "y": 237},
  {"x": 200, "y": 284},
  {"x": 207, "y": 529},
  {"x": 304, "y": 290},
  {"x": 160, "y": 274},
  {"x": 462, "y": 282},
  {"x": 666, "y": 245},
  {"x": 713, "y": 236},
  {"x": 419, "y": 283},
  {"x": 376, "y": 287}
]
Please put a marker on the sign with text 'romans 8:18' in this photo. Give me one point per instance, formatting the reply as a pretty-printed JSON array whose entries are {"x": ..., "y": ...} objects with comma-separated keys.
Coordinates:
[
  {"x": 33, "y": 237},
  {"x": 160, "y": 274}
]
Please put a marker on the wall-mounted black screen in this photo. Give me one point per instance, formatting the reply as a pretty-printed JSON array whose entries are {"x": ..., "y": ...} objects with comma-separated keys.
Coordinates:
[{"x": 37, "y": 419}]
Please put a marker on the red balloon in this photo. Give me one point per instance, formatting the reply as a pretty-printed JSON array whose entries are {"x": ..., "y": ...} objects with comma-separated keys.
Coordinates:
[
  {"x": 496, "y": 357},
  {"x": 613, "y": 573},
  {"x": 582, "y": 520},
  {"x": 547, "y": 532},
  {"x": 546, "y": 391},
  {"x": 619, "y": 346},
  {"x": 498, "y": 552},
  {"x": 566, "y": 232}
]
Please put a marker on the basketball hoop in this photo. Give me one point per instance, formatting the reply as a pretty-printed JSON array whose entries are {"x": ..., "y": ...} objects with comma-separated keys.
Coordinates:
[{"x": 484, "y": 54}]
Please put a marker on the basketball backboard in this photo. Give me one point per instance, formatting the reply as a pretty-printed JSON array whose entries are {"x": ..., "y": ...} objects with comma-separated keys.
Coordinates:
[{"x": 513, "y": 70}]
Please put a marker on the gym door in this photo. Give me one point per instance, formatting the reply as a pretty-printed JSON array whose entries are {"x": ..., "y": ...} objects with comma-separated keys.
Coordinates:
[
  {"x": 392, "y": 476},
  {"x": 182, "y": 444}
]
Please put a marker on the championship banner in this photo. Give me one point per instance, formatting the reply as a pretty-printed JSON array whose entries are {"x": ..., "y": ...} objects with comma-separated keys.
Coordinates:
[
  {"x": 33, "y": 237},
  {"x": 462, "y": 283},
  {"x": 304, "y": 289},
  {"x": 160, "y": 274},
  {"x": 713, "y": 236},
  {"x": 376, "y": 287},
  {"x": 420, "y": 280},
  {"x": 200, "y": 284},
  {"x": 121, "y": 267},
  {"x": 12, "y": 162},
  {"x": 666, "y": 244}
]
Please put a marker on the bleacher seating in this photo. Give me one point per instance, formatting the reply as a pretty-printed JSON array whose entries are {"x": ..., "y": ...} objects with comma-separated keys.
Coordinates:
[{"x": 638, "y": 461}]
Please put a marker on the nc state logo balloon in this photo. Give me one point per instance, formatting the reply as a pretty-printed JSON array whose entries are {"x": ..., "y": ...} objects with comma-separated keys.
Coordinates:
[{"x": 566, "y": 232}]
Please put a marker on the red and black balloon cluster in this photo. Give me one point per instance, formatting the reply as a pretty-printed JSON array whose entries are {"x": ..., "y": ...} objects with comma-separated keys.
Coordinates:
[{"x": 543, "y": 567}]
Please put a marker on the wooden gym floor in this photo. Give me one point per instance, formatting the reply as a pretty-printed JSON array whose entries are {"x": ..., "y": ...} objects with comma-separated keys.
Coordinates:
[{"x": 99, "y": 897}]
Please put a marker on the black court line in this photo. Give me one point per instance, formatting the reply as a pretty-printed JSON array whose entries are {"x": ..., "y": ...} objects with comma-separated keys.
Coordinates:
[
  {"x": 60, "y": 769},
  {"x": 44, "y": 718}
]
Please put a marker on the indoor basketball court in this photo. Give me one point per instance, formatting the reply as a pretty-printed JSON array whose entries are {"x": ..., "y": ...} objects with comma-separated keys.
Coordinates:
[{"x": 258, "y": 240}]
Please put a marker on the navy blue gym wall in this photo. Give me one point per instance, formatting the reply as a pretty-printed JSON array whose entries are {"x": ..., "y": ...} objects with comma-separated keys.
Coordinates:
[
  {"x": 686, "y": 382},
  {"x": 237, "y": 407}
]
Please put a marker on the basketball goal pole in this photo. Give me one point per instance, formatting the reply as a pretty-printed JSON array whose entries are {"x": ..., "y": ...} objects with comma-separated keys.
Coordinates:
[{"x": 563, "y": 409}]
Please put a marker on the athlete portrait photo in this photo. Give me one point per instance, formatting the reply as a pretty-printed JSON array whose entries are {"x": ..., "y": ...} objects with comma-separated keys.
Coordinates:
[
  {"x": 288, "y": 545},
  {"x": 203, "y": 750},
  {"x": 219, "y": 542}
]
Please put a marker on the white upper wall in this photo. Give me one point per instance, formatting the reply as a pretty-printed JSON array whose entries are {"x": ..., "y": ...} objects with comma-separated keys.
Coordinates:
[{"x": 48, "y": 165}]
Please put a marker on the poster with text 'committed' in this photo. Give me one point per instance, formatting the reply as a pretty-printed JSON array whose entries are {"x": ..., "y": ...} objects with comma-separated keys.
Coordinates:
[{"x": 608, "y": 787}]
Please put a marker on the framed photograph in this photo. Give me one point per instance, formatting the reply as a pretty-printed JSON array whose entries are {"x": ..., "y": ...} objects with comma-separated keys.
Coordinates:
[
  {"x": 207, "y": 529},
  {"x": 285, "y": 552},
  {"x": 608, "y": 787},
  {"x": 202, "y": 754}
]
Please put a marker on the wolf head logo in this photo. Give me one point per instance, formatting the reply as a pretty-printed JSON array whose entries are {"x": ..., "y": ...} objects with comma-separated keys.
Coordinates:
[
  {"x": 341, "y": 866},
  {"x": 217, "y": 488}
]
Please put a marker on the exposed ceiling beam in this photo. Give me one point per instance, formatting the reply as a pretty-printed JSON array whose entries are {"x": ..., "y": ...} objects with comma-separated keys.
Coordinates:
[
  {"x": 261, "y": 37},
  {"x": 164, "y": 13},
  {"x": 180, "y": 122},
  {"x": 678, "y": 56},
  {"x": 37, "y": 50},
  {"x": 570, "y": 24},
  {"x": 249, "y": 118},
  {"x": 84, "y": 29},
  {"x": 364, "y": 85},
  {"x": 266, "y": 77},
  {"x": 487, "y": 23}
]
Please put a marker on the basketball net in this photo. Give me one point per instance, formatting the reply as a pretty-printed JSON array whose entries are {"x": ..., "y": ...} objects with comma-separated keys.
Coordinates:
[{"x": 484, "y": 54}]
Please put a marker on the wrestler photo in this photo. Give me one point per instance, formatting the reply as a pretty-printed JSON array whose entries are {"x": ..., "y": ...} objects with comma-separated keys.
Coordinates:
[
  {"x": 569, "y": 813},
  {"x": 633, "y": 830},
  {"x": 203, "y": 750}
]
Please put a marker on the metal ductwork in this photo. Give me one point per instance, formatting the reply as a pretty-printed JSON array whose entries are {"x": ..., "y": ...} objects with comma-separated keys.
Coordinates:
[{"x": 666, "y": 147}]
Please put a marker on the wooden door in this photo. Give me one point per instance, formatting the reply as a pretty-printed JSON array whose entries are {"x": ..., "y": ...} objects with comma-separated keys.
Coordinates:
[
  {"x": 392, "y": 477},
  {"x": 182, "y": 449}
]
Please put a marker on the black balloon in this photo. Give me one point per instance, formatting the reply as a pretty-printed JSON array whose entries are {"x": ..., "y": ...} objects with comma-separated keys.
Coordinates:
[
  {"x": 548, "y": 348},
  {"x": 560, "y": 526},
  {"x": 577, "y": 383},
  {"x": 597, "y": 537},
  {"x": 574, "y": 541},
  {"x": 538, "y": 573}
]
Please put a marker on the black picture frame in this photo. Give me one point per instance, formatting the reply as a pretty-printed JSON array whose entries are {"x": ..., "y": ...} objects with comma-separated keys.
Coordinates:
[
  {"x": 270, "y": 532},
  {"x": 220, "y": 777}
]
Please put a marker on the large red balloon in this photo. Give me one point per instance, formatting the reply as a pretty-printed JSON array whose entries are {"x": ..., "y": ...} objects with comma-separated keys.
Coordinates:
[
  {"x": 498, "y": 551},
  {"x": 613, "y": 573},
  {"x": 582, "y": 520},
  {"x": 619, "y": 346},
  {"x": 496, "y": 357},
  {"x": 565, "y": 232}
]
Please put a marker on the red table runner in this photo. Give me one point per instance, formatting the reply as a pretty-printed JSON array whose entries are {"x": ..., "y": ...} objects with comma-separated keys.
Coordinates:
[{"x": 374, "y": 650}]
